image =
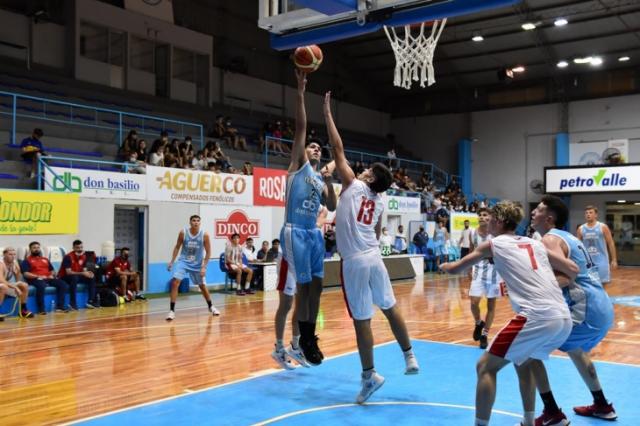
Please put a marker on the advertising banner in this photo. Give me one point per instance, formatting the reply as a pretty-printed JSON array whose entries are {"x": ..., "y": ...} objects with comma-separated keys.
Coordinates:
[
  {"x": 33, "y": 212},
  {"x": 269, "y": 186},
  {"x": 592, "y": 179},
  {"x": 457, "y": 223},
  {"x": 96, "y": 184},
  {"x": 394, "y": 204},
  {"x": 191, "y": 186}
]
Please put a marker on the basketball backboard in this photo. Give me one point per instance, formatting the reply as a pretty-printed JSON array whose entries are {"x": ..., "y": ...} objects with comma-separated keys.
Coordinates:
[{"x": 294, "y": 23}]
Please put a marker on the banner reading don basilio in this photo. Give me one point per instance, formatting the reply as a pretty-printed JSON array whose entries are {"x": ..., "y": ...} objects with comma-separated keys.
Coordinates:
[{"x": 191, "y": 186}]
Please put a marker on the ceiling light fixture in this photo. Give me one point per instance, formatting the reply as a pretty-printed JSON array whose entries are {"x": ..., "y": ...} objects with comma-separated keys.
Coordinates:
[
  {"x": 477, "y": 38},
  {"x": 528, "y": 26},
  {"x": 519, "y": 68},
  {"x": 585, "y": 60},
  {"x": 563, "y": 64},
  {"x": 622, "y": 201},
  {"x": 623, "y": 58},
  {"x": 560, "y": 22},
  {"x": 596, "y": 61}
]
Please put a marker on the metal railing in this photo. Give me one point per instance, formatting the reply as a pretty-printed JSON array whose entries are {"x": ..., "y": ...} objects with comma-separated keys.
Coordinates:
[{"x": 17, "y": 106}]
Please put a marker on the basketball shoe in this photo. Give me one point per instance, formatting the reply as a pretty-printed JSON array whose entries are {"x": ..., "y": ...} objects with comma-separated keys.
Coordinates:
[
  {"x": 280, "y": 356},
  {"x": 605, "y": 412},
  {"x": 477, "y": 331},
  {"x": 214, "y": 311},
  {"x": 411, "y": 364},
  {"x": 369, "y": 386},
  {"x": 558, "y": 419},
  {"x": 171, "y": 316},
  {"x": 297, "y": 355},
  {"x": 311, "y": 351}
]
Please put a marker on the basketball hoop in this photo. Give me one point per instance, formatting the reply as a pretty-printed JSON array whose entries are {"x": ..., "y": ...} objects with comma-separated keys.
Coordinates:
[{"x": 414, "y": 55}]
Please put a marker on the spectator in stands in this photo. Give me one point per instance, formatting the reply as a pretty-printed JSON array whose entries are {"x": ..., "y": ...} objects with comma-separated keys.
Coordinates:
[
  {"x": 186, "y": 152},
  {"x": 281, "y": 144},
  {"x": 156, "y": 155},
  {"x": 172, "y": 156},
  {"x": 236, "y": 141},
  {"x": 265, "y": 133},
  {"x": 39, "y": 273},
  {"x": 142, "y": 151},
  {"x": 218, "y": 130},
  {"x": 32, "y": 150},
  {"x": 247, "y": 168},
  {"x": 385, "y": 242},
  {"x": 262, "y": 253},
  {"x": 211, "y": 162},
  {"x": 410, "y": 184},
  {"x": 249, "y": 250},
  {"x": 11, "y": 283},
  {"x": 453, "y": 185},
  {"x": 392, "y": 161},
  {"x": 287, "y": 130},
  {"x": 400, "y": 243},
  {"x": 274, "y": 252},
  {"x": 236, "y": 266},
  {"x": 420, "y": 240},
  {"x": 121, "y": 276},
  {"x": 221, "y": 159},
  {"x": 74, "y": 270},
  {"x": 199, "y": 162},
  {"x": 135, "y": 166}
]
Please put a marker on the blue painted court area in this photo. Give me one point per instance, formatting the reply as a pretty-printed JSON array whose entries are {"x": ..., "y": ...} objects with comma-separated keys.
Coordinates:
[
  {"x": 442, "y": 394},
  {"x": 633, "y": 301}
]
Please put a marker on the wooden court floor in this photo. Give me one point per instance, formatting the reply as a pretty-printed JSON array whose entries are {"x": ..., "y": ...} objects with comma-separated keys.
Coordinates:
[{"x": 61, "y": 367}]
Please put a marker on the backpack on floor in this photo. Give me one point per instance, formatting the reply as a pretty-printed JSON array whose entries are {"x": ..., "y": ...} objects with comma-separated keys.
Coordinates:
[{"x": 108, "y": 297}]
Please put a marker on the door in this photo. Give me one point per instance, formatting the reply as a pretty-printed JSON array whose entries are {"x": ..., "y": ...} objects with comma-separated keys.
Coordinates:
[{"x": 130, "y": 230}]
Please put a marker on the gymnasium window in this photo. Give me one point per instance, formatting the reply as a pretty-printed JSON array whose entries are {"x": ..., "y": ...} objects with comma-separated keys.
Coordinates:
[
  {"x": 102, "y": 44},
  {"x": 141, "y": 55}
]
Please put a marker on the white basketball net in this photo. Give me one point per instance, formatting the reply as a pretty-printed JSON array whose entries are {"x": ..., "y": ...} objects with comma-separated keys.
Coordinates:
[{"x": 414, "y": 55}]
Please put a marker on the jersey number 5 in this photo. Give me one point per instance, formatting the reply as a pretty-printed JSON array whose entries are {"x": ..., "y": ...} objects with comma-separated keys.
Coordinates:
[
  {"x": 529, "y": 250},
  {"x": 367, "y": 208}
]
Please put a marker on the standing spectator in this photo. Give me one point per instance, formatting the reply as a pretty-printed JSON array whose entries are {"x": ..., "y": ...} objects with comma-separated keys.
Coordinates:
[
  {"x": 391, "y": 158},
  {"x": 39, "y": 273},
  {"x": 74, "y": 270},
  {"x": 400, "y": 243},
  {"x": 123, "y": 278},
  {"x": 465, "y": 243},
  {"x": 385, "y": 242},
  {"x": 11, "y": 282},
  {"x": 247, "y": 168},
  {"x": 32, "y": 150},
  {"x": 236, "y": 266},
  {"x": 420, "y": 240},
  {"x": 262, "y": 253}
]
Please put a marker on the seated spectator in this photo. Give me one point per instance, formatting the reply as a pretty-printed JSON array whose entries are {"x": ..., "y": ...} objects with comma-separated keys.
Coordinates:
[
  {"x": 32, "y": 150},
  {"x": 453, "y": 185},
  {"x": 172, "y": 156},
  {"x": 156, "y": 155},
  {"x": 135, "y": 166},
  {"x": 199, "y": 162},
  {"x": 142, "y": 151},
  {"x": 287, "y": 131},
  {"x": 236, "y": 267},
  {"x": 385, "y": 242},
  {"x": 218, "y": 130},
  {"x": 186, "y": 152},
  {"x": 211, "y": 162},
  {"x": 247, "y": 168},
  {"x": 221, "y": 159},
  {"x": 74, "y": 270},
  {"x": 248, "y": 250},
  {"x": 274, "y": 252},
  {"x": 424, "y": 181},
  {"x": 121, "y": 276},
  {"x": 236, "y": 141},
  {"x": 265, "y": 136},
  {"x": 409, "y": 184},
  {"x": 39, "y": 273},
  {"x": 262, "y": 253},
  {"x": 129, "y": 145},
  {"x": 420, "y": 240},
  {"x": 11, "y": 283},
  {"x": 281, "y": 144}
]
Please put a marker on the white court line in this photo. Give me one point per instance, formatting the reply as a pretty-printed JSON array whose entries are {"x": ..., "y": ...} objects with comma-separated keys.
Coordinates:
[
  {"x": 331, "y": 407},
  {"x": 268, "y": 372}
]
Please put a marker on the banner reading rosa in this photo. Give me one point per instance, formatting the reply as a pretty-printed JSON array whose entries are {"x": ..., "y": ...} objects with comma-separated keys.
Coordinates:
[
  {"x": 190, "y": 186},
  {"x": 269, "y": 186}
]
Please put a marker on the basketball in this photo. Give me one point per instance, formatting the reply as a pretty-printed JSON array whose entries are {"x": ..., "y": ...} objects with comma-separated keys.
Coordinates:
[{"x": 308, "y": 58}]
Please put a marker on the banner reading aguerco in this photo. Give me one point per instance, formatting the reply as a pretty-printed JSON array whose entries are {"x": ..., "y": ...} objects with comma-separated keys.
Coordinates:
[
  {"x": 394, "y": 204},
  {"x": 95, "y": 183},
  {"x": 190, "y": 186},
  {"x": 593, "y": 179}
]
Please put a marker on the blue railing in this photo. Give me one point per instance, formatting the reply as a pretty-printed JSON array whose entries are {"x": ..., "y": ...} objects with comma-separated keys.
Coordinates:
[
  {"x": 17, "y": 106},
  {"x": 438, "y": 175}
]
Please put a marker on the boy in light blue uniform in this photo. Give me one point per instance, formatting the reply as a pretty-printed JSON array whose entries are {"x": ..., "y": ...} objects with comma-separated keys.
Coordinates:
[
  {"x": 590, "y": 306},
  {"x": 440, "y": 237},
  {"x": 194, "y": 247},
  {"x": 598, "y": 241},
  {"x": 302, "y": 241}
]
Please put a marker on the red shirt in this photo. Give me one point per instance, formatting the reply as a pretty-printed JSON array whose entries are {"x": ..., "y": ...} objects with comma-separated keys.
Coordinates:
[
  {"x": 119, "y": 263},
  {"x": 37, "y": 265},
  {"x": 73, "y": 261}
]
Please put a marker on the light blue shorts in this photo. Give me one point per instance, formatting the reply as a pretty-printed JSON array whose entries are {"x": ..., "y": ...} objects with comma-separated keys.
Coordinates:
[
  {"x": 303, "y": 249},
  {"x": 182, "y": 271}
]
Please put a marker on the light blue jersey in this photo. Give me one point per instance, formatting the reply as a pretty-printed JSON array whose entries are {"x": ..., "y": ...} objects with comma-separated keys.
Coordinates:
[
  {"x": 594, "y": 242},
  {"x": 439, "y": 239},
  {"x": 590, "y": 306},
  {"x": 192, "y": 252},
  {"x": 303, "y": 197}
]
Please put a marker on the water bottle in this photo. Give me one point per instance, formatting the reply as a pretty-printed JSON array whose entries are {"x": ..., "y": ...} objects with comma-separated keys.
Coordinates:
[{"x": 53, "y": 305}]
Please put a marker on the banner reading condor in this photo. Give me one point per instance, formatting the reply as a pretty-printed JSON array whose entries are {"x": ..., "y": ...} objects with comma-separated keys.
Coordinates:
[
  {"x": 191, "y": 186},
  {"x": 36, "y": 212}
]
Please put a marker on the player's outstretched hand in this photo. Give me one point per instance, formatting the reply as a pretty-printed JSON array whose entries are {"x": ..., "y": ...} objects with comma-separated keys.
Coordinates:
[
  {"x": 327, "y": 176},
  {"x": 327, "y": 103},
  {"x": 446, "y": 267},
  {"x": 302, "y": 80}
]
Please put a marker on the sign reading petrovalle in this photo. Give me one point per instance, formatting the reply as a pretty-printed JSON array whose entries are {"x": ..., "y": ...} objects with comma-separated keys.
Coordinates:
[{"x": 593, "y": 179}]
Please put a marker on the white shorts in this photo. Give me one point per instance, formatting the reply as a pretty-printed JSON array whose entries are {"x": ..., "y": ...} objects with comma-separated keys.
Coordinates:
[
  {"x": 523, "y": 338},
  {"x": 486, "y": 282},
  {"x": 11, "y": 292},
  {"x": 286, "y": 278},
  {"x": 365, "y": 282}
]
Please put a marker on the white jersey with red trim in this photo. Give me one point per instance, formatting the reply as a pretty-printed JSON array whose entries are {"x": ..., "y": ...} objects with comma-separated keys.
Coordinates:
[
  {"x": 357, "y": 215},
  {"x": 524, "y": 266}
]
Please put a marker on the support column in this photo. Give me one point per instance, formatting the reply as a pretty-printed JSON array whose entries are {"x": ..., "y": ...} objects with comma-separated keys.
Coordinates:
[{"x": 464, "y": 167}]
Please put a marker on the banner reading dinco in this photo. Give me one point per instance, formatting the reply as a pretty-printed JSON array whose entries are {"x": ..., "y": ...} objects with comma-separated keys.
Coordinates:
[
  {"x": 36, "y": 212},
  {"x": 394, "y": 204},
  {"x": 269, "y": 186},
  {"x": 96, "y": 184},
  {"x": 190, "y": 186}
]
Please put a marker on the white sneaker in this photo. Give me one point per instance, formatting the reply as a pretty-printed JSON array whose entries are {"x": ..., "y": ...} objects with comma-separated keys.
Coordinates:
[
  {"x": 171, "y": 316},
  {"x": 297, "y": 355},
  {"x": 214, "y": 311},
  {"x": 369, "y": 386},
  {"x": 280, "y": 356},
  {"x": 412, "y": 364}
]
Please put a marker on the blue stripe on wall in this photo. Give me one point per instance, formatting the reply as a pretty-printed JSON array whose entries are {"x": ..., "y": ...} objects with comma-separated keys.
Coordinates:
[
  {"x": 464, "y": 167},
  {"x": 562, "y": 149}
]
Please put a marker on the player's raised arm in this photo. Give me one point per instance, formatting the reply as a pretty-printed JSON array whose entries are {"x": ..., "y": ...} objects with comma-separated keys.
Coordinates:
[
  {"x": 342, "y": 165},
  {"x": 483, "y": 251},
  {"x": 331, "y": 200},
  {"x": 298, "y": 153}
]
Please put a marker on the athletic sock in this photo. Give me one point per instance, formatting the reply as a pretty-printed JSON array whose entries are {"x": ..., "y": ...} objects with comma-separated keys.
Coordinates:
[
  {"x": 407, "y": 352},
  {"x": 279, "y": 344},
  {"x": 598, "y": 397},
  {"x": 480, "y": 422},
  {"x": 529, "y": 418},
  {"x": 478, "y": 322},
  {"x": 23, "y": 306},
  {"x": 295, "y": 341},
  {"x": 550, "y": 406},
  {"x": 304, "y": 329},
  {"x": 209, "y": 304},
  {"x": 312, "y": 328},
  {"x": 172, "y": 306},
  {"x": 485, "y": 331},
  {"x": 368, "y": 372}
]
